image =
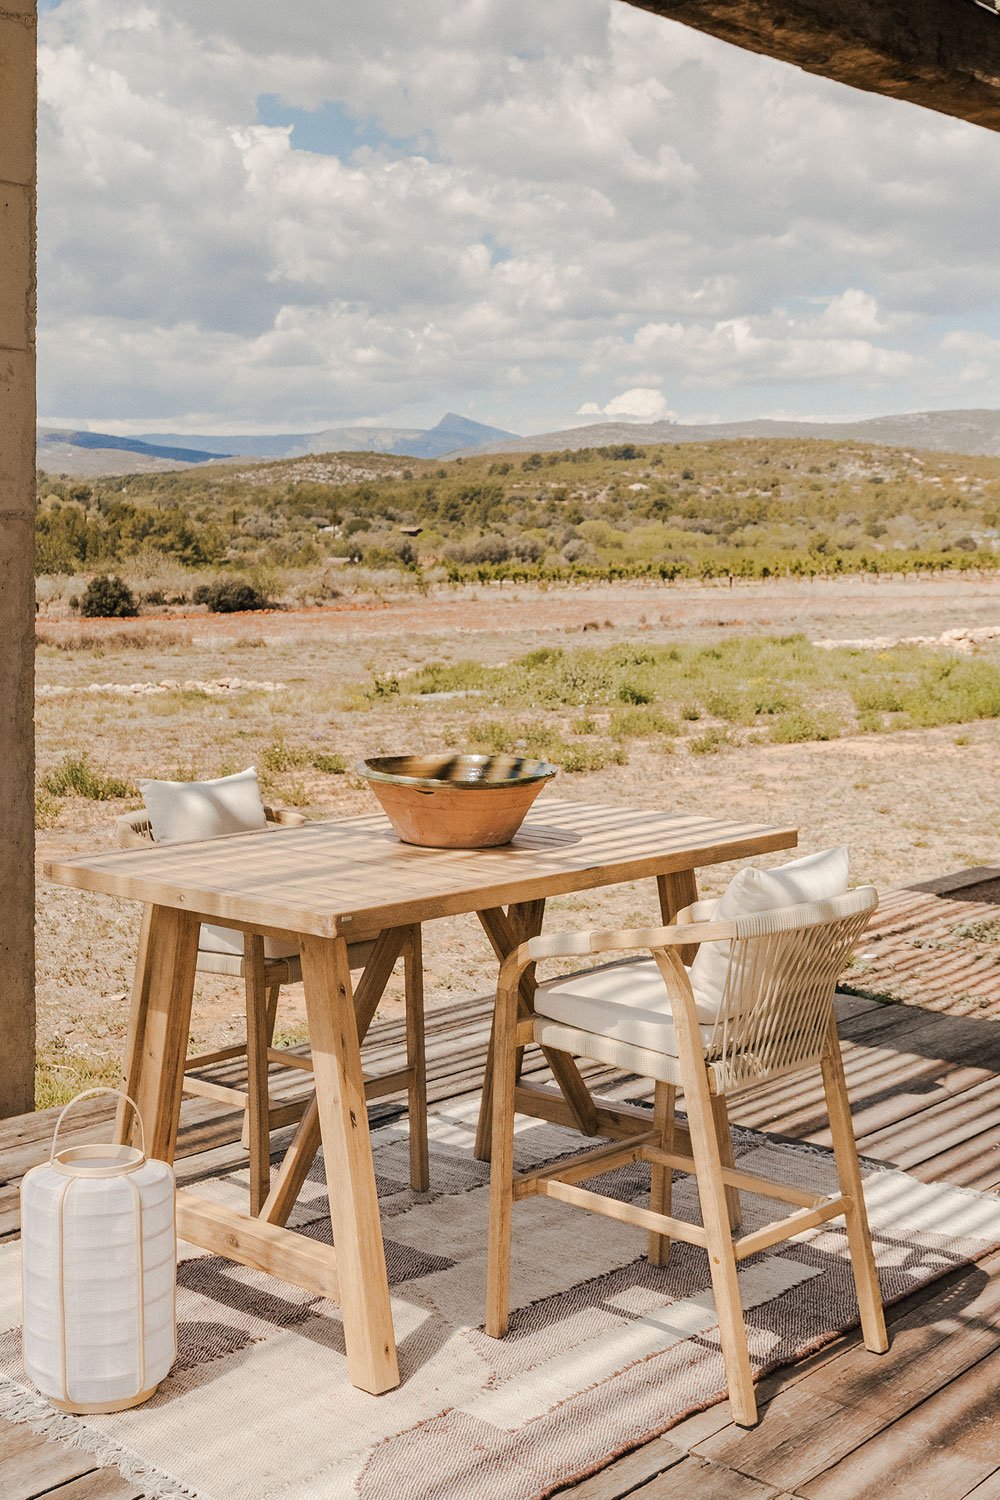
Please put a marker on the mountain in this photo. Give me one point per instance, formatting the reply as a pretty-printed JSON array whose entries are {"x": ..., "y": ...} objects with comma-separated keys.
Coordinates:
[
  {"x": 451, "y": 432},
  {"x": 972, "y": 432},
  {"x": 87, "y": 454},
  {"x": 62, "y": 451}
]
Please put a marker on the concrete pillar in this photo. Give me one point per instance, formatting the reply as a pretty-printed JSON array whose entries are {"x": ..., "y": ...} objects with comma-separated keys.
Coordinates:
[{"x": 17, "y": 583}]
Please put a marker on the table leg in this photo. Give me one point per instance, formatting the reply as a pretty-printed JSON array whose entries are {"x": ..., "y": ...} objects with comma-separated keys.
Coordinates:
[
  {"x": 677, "y": 890},
  {"x": 343, "y": 1118},
  {"x": 136, "y": 1030},
  {"x": 301, "y": 1153},
  {"x": 503, "y": 933},
  {"x": 257, "y": 1120},
  {"x": 159, "y": 1026}
]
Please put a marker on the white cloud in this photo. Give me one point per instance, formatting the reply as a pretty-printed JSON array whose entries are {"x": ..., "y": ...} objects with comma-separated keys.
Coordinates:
[
  {"x": 638, "y": 404},
  {"x": 733, "y": 351},
  {"x": 591, "y": 200}
]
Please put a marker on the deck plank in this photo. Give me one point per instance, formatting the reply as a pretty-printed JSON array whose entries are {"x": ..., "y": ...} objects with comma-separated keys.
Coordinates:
[
  {"x": 918, "y": 1422},
  {"x": 810, "y": 1427},
  {"x": 694, "y": 1477},
  {"x": 32, "y": 1465}
]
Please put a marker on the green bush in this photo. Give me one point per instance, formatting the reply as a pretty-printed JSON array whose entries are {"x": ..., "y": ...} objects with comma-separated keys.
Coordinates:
[
  {"x": 640, "y": 723},
  {"x": 713, "y": 740},
  {"x": 281, "y": 757},
  {"x": 46, "y": 809},
  {"x": 108, "y": 597},
  {"x": 628, "y": 692},
  {"x": 799, "y": 724},
  {"x": 76, "y": 777},
  {"x": 230, "y": 596},
  {"x": 333, "y": 765}
]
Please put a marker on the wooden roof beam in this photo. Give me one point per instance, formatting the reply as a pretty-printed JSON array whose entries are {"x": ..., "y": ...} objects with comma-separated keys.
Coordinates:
[{"x": 943, "y": 54}]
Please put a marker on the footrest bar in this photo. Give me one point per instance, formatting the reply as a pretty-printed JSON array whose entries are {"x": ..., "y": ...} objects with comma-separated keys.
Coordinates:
[
  {"x": 625, "y": 1213},
  {"x": 582, "y": 1165},
  {"x": 784, "y": 1229},
  {"x": 254, "y": 1242}
]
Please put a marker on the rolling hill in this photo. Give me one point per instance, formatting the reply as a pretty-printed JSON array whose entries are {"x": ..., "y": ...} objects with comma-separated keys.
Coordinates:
[{"x": 974, "y": 432}]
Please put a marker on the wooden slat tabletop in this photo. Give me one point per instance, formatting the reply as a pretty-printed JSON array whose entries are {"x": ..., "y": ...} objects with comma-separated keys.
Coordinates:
[{"x": 352, "y": 876}]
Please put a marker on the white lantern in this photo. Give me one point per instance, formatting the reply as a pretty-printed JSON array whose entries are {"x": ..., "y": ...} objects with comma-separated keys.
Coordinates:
[{"x": 99, "y": 1270}]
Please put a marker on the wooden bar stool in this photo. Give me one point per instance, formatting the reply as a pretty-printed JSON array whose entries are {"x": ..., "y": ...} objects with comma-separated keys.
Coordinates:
[{"x": 263, "y": 978}]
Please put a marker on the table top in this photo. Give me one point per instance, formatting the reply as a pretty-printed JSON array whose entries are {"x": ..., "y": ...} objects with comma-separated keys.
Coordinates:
[{"x": 352, "y": 877}]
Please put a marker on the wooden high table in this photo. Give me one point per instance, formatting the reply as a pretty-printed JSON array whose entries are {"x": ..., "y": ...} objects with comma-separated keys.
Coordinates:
[{"x": 351, "y": 880}]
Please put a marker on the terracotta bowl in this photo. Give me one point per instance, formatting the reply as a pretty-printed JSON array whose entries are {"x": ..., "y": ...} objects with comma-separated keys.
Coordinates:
[{"x": 456, "y": 801}]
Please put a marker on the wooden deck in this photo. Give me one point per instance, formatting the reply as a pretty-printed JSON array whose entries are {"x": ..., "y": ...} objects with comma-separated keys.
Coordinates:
[{"x": 921, "y": 1421}]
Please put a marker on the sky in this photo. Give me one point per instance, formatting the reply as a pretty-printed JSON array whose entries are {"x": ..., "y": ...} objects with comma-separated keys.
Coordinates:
[{"x": 255, "y": 217}]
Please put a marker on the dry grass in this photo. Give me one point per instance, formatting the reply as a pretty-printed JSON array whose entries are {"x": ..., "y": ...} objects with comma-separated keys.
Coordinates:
[{"x": 912, "y": 799}]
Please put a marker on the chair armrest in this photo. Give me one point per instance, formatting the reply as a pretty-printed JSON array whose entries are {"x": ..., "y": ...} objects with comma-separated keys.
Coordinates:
[
  {"x": 133, "y": 830},
  {"x": 574, "y": 944},
  {"x": 285, "y": 816}
]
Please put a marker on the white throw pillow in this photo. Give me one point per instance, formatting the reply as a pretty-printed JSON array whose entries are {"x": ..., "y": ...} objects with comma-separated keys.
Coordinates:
[
  {"x": 204, "y": 809},
  {"x": 815, "y": 877},
  {"x": 190, "y": 810}
]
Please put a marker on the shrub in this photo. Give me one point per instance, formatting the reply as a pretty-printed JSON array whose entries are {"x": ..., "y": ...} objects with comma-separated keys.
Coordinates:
[
  {"x": 46, "y": 809},
  {"x": 108, "y": 597},
  {"x": 639, "y": 723},
  {"x": 333, "y": 765},
  {"x": 76, "y": 777},
  {"x": 491, "y": 548},
  {"x": 799, "y": 724},
  {"x": 713, "y": 740},
  {"x": 229, "y": 596},
  {"x": 629, "y": 693},
  {"x": 281, "y": 757}
]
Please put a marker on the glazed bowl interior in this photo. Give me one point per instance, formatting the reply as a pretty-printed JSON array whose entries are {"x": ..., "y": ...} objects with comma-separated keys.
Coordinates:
[{"x": 456, "y": 770}]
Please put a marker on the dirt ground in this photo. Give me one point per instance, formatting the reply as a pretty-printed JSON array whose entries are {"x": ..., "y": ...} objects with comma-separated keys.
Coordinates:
[{"x": 910, "y": 805}]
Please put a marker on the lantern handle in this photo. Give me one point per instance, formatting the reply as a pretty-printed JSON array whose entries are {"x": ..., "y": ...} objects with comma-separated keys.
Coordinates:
[{"x": 87, "y": 1094}]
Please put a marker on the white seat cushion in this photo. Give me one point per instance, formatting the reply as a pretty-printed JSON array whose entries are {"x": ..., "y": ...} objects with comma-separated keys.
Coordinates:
[
  {"x": 230, "y": 941},
  {"x": 626, "y": 1001},
  {"x": 204, "y": 809},
  {"x": 815, "y": 877},
  {"x": 191, "y": 810}
]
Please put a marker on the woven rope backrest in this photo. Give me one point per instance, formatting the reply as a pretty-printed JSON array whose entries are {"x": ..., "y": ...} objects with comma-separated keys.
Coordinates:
[{"x": 783, "y": 971}]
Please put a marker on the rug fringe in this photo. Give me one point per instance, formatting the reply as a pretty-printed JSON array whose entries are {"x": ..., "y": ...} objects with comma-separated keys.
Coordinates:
[{"x": 34, "y": 1412}]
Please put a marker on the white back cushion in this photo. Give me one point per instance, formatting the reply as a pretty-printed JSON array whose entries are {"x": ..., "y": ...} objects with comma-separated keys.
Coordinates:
[
  {"x": 204, "y": 809},
  {"x": 815, "y": 877},
  {"x": 207, "y": 810}
]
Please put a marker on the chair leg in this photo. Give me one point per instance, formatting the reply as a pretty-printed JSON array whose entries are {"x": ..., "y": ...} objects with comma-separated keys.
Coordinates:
[
  {"x": 504, "y": 1074},
  {"x": 721, "y": 1256},
  {"x": 271, "y": 1015},
  {"x": 859, "y": 1240},
  {"x": 416, "y": 1061},
  {"x": 257, "y": 1122},
  {"x": 725, "y": 1135},
  {"x": 272, "y": 1011},
  {"x": 661, "y": 1179}
]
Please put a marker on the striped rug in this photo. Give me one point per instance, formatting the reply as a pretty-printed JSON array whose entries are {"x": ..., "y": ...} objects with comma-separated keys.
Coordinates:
[{"x": 604, "y": 1351}]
